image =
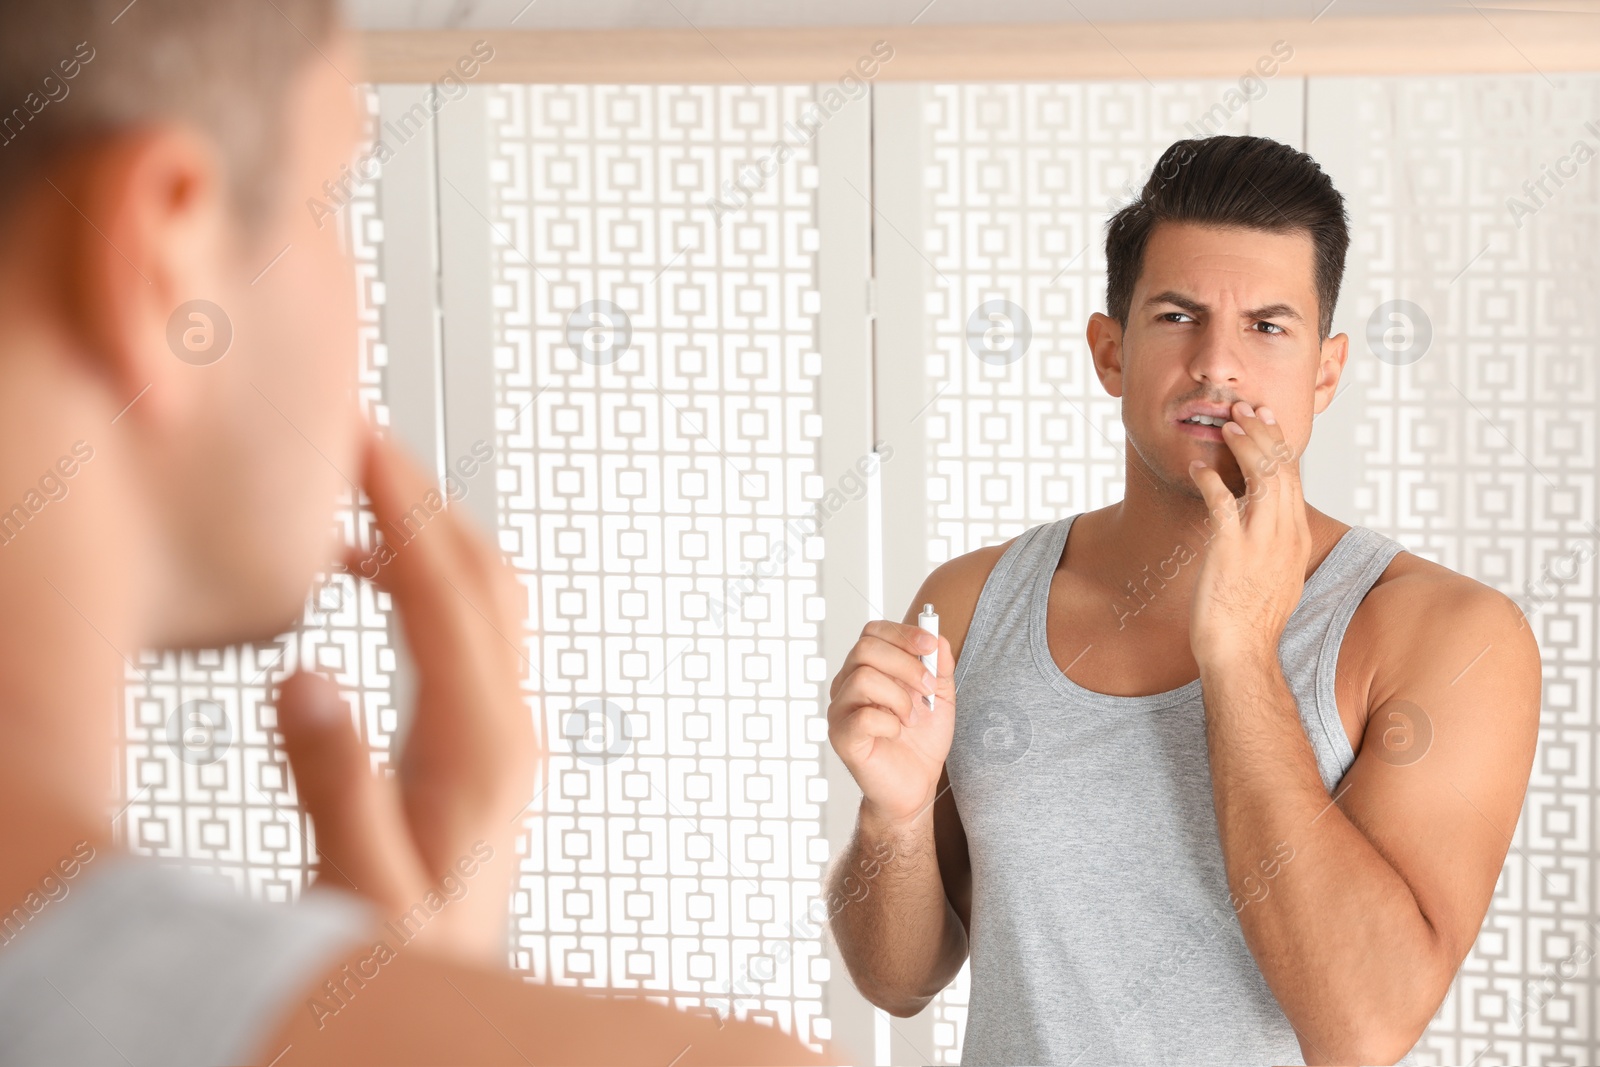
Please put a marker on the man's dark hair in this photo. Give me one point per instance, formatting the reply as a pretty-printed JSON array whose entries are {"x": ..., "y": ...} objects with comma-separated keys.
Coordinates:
[
  {"x": 1251, "y": 182},
  {"x": 71, "y": 70}
]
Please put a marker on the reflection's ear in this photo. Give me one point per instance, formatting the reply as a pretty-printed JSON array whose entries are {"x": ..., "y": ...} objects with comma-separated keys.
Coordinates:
[
  {"x": 1330, "y": 369},
  {"x": 1104, "y": 335},
  {"x": 142, "y": 218}
]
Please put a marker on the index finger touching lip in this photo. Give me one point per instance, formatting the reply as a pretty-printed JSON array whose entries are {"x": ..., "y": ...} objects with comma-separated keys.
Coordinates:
[
  {"x": 394, "y": 483},
  {"x": 407, "y": 506}
]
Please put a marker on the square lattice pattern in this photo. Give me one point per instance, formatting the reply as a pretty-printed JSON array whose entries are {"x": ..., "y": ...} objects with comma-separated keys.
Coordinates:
[{"x": 657, "y": 420}]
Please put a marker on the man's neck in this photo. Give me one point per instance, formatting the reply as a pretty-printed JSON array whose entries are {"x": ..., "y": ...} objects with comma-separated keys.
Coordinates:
[
  {"x": 1142, "y": 542},
  {"x": 70, "y": 629}
]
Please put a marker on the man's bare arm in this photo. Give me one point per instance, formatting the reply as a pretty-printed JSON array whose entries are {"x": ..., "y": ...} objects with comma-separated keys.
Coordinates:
[
  {"x": 416, "y": 1008},
  {"x": 899, "y": 933},
  {"x": 1360, "y": 909},
  {"x": 903, "y": 932}
]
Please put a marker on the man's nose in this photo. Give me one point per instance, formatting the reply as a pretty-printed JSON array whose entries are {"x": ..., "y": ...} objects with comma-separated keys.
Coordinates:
[{"x": 1216, "y": 358}]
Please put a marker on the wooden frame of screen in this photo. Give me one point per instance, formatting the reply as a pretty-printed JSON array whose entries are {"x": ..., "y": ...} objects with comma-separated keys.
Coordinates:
[{"x": 1473, "y": 43}]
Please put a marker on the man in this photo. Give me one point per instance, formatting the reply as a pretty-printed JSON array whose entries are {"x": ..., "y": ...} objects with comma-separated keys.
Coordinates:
[
  {"x": 177, "y": 421},
  {"x": 1228, "y": 780}
]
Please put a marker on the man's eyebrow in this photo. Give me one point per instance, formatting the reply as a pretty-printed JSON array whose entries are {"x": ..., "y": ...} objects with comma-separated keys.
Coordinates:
[
  {"x": 1274, "y": 311},
  {"x": 1172, "y": 297},
  {"x": 1270, "y": 311}
]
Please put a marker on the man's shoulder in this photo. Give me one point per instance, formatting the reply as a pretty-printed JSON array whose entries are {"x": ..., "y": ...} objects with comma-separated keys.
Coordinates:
[
  {"x": 1422, "y": 614},
  {"x": 1417, "y": 591},
  {"x": 967, "y": 572},
  {"x": 955, "y": 586}
]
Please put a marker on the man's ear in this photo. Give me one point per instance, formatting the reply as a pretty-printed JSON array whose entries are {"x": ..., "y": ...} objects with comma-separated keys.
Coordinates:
[
  {"x": 1104, "y": 335},
  {"x": 143, "y": 220},
  {"x": 1330, "y": 368}
]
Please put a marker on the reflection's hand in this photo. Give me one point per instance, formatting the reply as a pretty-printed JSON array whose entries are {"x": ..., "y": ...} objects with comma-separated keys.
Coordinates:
[
  {"x": 880, "y": 724},
  {"x": 1255, "y": 568},
  {"x": 469, "y": 759}
]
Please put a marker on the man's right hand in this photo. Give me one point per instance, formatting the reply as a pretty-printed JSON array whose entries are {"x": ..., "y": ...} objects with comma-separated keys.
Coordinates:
[
  {"x": 451, "y": 810},
  {"x": 880, "y": 724}
]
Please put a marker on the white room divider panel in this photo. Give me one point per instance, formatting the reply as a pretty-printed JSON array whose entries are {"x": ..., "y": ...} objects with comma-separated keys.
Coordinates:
[
  {"x": 657, "y": 426},
  {"x": 1466, "y": 430},
  {"x": 203, "y": 780}
]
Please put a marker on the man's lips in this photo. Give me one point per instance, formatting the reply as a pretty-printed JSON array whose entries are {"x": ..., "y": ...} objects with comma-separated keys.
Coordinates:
[{"x": 1200, "y": 430}]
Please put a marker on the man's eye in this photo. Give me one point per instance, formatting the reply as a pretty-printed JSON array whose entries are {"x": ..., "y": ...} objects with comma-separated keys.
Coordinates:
[
  {"x": 1168, "y": 315},
  {"x": 1275, "y": 328}
]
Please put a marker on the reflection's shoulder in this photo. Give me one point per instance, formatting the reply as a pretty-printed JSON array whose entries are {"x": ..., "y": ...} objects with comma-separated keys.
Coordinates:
[
  {"x": 1417, "y": 604},
  {"x": 954, "y": 588},
  {"x": 958, "y": 582}
]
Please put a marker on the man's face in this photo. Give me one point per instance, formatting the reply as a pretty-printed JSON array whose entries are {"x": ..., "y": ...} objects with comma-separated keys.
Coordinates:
[
  {"x": 1217, "y": 315},
  {"x": 268, "y": 435}
]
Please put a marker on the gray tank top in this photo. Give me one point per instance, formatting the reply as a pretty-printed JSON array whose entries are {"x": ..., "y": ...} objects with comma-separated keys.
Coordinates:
[
  {"x": 1102, "y": 930},
  {"x": 142, "y": 963}
]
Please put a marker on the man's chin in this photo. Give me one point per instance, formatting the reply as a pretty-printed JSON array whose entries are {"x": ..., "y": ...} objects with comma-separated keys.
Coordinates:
[{"x": 258, "y": 615}]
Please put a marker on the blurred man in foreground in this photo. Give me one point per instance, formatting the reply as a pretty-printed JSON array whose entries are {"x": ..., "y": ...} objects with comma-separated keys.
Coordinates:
[{"x": 162, "y": 489}]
